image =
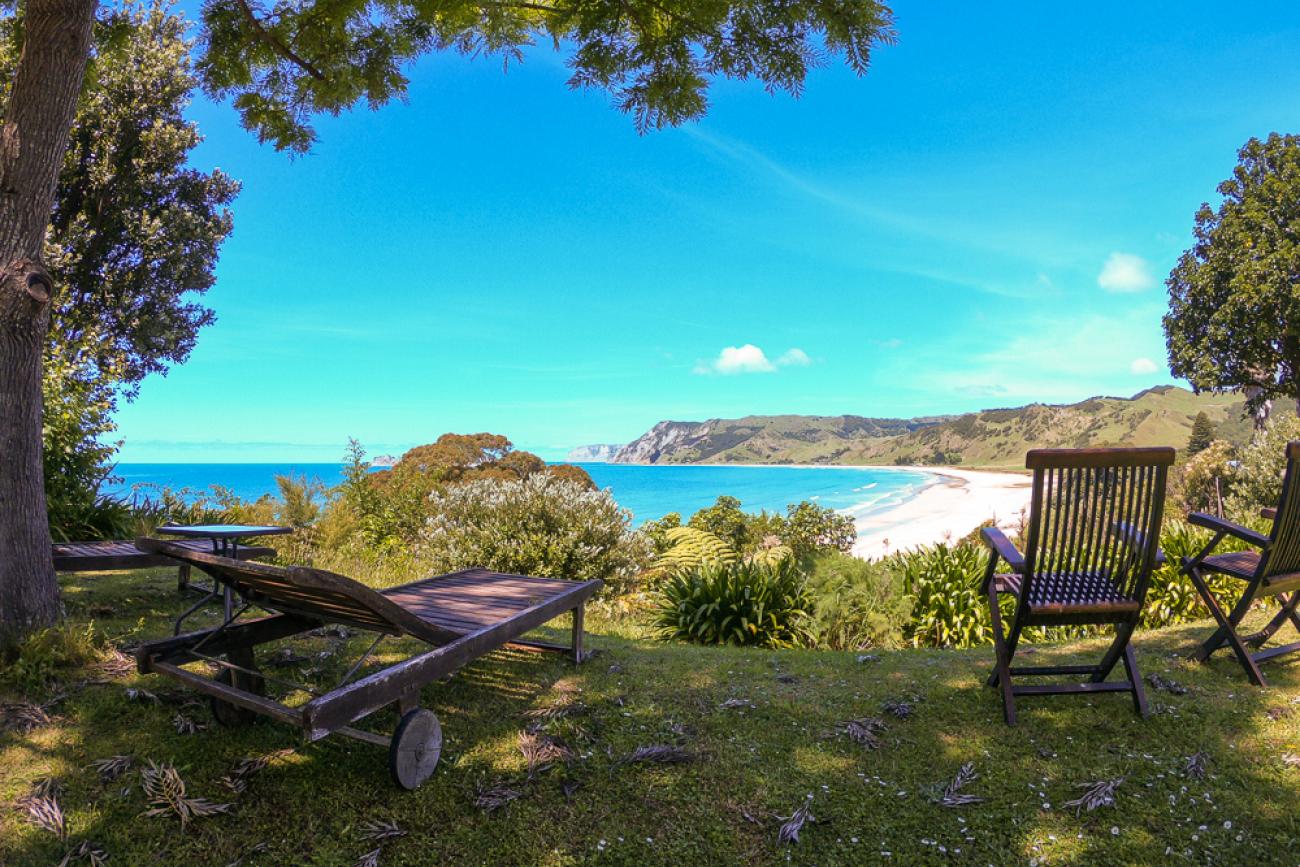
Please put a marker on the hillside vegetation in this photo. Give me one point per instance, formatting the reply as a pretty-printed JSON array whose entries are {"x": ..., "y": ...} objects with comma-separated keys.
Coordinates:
[{"x": 996, "y": 438}]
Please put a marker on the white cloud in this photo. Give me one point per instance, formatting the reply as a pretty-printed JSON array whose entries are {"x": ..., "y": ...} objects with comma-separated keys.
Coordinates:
[
  {"x": 795, "y": 357},
  {"x": 1142, "y": 366},
  {"x": 1124, "y": 272},
  {"x": 738, "y": 359}
]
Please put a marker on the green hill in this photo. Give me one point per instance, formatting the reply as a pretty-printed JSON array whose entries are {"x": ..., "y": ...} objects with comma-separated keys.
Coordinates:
[{"x": 989, "y": 438}]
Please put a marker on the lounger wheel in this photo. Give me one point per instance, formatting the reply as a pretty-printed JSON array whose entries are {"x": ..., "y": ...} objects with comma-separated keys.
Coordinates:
[
  {"x": 232, "y": 714},
  {"x": 415, "y": 748}
]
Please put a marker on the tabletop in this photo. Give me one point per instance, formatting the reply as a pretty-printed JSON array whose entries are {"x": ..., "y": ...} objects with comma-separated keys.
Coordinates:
[{"x": 224, "y": 531}]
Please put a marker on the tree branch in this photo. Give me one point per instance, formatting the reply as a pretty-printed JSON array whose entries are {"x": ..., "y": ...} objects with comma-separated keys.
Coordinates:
[{"x": 277, "y": 44}]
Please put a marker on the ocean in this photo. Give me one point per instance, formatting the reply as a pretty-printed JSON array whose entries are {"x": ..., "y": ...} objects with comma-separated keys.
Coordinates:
[{"x": 647, "y": 491}]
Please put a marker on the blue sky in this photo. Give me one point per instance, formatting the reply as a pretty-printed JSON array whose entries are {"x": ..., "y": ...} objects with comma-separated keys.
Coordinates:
[{"x": 985, "y": 219}]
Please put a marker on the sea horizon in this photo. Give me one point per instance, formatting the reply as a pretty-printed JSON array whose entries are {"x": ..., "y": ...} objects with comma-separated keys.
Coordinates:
[{"x": 648, "y": 491}]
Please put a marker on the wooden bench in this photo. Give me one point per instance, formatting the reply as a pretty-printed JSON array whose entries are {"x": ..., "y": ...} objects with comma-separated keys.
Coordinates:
[
  {"x": 99, "y": 556},
  {"x": 461, "y": 617}
]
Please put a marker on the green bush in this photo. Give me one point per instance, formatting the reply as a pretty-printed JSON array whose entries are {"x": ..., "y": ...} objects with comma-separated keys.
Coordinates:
[
  {"x": 1258, "y": 480},
  {"x": 744, "y": 603},
  {"x": 541, "y": 525},
  {"x": 855, "y": 604},
  {"x": 1171, "y": 598},
  {"x": 942, "y": 584}
]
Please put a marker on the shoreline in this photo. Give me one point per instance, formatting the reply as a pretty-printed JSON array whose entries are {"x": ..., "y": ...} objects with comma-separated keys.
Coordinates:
[{"x": 945, "y": 510}]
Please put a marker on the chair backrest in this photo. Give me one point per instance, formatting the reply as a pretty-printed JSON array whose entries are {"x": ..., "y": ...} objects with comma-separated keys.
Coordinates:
[
  {"x": 1095, "y": 513},
  {"x": 310, "y": 593},
  {"x": 1283, "y": 555}
]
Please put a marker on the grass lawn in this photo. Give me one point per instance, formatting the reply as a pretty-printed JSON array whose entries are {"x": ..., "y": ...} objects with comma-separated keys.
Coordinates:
[{"x": 759, "y": 725}]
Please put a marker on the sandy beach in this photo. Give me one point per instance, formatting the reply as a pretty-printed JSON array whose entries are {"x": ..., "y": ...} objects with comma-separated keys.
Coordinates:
[{"x": 950, "y": 508}]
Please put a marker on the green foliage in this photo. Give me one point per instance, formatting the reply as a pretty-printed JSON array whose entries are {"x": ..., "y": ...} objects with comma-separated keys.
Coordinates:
[
  {"x": 1234, "y": 305},
  {"x": 44, "y": 655},
  {"x": 1202, "y": 434},
  {"x": 688, "y": 548},
  {"x": 657, "y": 531},
  {"x": 655, "y": 59},
  {"x": 725, "y": 520},
  {"x": 1258, "y": 480},
  {"x": 810, "y": 529},
  {"x": 541, "y": 525},
  {"x": 942, "y": 584},
  {"x": 1208, "y": 477},
  {"x": 743, "y": 603},
  {"x": 1171, "y": 598},
  {"x": 855, "y": 604}
]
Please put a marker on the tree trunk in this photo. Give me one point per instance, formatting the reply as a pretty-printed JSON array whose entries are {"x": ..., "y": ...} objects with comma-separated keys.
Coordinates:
[{"x": 33, "y": 139}]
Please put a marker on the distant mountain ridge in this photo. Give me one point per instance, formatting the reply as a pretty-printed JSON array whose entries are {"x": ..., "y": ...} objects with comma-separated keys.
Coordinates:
[{"x": 994, "y": 438}]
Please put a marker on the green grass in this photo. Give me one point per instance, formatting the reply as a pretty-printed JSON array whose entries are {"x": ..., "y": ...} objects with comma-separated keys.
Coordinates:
[{"x": 755, "y": 763}]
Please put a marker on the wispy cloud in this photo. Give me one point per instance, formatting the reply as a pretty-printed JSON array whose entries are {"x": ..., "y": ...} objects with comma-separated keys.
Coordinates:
[
  {"x": 1125, "y": 272},
  {"x": 795, "y": 357},
  {"x": 1143, "y": 366}
]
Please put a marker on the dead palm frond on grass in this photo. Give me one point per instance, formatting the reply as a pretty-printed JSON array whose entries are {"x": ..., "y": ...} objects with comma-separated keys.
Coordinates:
[
  {"x": 1194, "y": 766},
  {"x": 22, "y": 716},
  {"x": 88, "y": 851},
  {"x": 863, "y": 730},
  {"x": 111, "y": 768},
  {"x": 793, "y": 824},
  {"x": 541, "y": 750},
  {"x": 953, "y": 796},
  {"x": 377, "y": 831},
  {"x": 493, "y": 796},
  {"x": 44, "y": 812},
  {"x": 247, "y": 768},
  {"x": 370, "y": 859},
  {"x": 1096, "y": 795},
  {"x": 166, "y": 792}
]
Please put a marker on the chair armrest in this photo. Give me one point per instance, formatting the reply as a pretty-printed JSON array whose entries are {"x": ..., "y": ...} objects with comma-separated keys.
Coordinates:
[
  {"x": 1001, "y": 546},
  {"x": 1224, "y": 526},
  {"x": 1268, "y": 512}
]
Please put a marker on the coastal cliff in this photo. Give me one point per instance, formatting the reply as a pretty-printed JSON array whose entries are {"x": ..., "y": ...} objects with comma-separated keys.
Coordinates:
[
  {"x": 994, "y": 438},
  {"x": 763, "y": 439},
  {"x": 599, "y": 453}
]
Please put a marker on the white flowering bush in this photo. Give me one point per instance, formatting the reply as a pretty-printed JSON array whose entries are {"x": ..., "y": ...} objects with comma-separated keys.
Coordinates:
[{"x": 542, "y": 525}]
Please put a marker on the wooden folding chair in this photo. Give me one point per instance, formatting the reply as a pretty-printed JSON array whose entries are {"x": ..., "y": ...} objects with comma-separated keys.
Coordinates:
[
  {"x": 1273, "y": 570},
  {"x": 1091, "y": 544}
]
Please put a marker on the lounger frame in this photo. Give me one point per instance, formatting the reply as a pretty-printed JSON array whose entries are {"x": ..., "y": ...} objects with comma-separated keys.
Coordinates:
[{"x": 309, "y": 599}]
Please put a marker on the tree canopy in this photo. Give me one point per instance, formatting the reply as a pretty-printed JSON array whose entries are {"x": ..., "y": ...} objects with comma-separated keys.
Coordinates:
[
  {"x": 283, "y": 64},
  {"x": 1234, "y": 297}
]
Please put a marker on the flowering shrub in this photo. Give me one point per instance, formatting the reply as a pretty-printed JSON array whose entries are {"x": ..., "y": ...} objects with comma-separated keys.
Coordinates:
[{"x": 542, "y": 525}]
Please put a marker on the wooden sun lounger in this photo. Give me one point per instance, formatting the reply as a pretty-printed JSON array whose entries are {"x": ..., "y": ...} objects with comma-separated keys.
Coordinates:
[{"x": 462, "y": 616}]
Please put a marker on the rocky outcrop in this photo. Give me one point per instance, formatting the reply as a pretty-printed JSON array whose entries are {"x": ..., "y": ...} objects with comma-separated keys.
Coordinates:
[{"x": 600, "y": 453}]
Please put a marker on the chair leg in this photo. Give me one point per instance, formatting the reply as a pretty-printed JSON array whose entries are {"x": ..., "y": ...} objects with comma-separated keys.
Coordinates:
[
  {"x": 1135, "y": 680},
  {"x": 1227, "y": 628},
  {"x": 182, "y": 577},
  {"x": 1288, "y": 612},
  {"x": 1123, "y": 632},
  {"x": 1003, "y": 651},
  {"x": 577, "y": 634}
]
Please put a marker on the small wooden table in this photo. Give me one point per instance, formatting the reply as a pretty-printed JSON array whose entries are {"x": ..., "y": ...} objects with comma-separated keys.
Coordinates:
[{"x": 225, "y": 543}]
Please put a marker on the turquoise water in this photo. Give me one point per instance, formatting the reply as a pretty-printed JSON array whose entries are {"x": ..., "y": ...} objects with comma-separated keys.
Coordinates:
[{"x": 648, "y": 491}]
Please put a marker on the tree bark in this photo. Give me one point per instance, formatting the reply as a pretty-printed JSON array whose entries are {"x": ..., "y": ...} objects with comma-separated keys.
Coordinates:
[{"x": 33, "y": 139}]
